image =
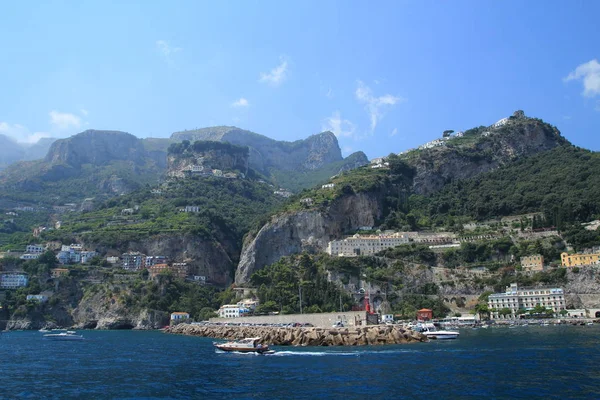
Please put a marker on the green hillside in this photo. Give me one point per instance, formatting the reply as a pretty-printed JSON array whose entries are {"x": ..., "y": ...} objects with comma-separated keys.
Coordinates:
[
  {"x": 563, "y": 183},
  {"x": 227, "y": 208}
]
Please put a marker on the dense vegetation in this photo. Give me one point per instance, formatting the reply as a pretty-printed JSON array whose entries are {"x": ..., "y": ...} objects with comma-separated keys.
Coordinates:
[
  {"x": 227, "y": 209},
  {"x": 278, "y": 286},
  {"x": 563, "y": 183},
  {"x": 38, "y": 183},
  {"x": 296, "y": 181}
]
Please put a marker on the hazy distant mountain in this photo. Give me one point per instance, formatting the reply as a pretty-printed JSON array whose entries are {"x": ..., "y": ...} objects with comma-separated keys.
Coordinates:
[{"x": 12, "y": 151}]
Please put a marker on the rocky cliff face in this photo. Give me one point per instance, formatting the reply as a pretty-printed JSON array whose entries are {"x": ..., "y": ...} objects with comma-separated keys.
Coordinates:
[
  {"x": 204, "y": 257},
  {"x": 265, "y": 153},
  {"x": 518, "y": 138},
  {"x": 100, "y": 311},
  {"x": 296, "y": 232},
  {"x": 226, "y": 159},
  {"x": 309, "y": 231},
  {"x": 96, "y": 148}
]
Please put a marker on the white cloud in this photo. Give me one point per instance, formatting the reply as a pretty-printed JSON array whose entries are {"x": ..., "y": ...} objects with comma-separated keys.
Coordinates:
[
  {"x": 63, "y": 121},
  {"x": 84, "y": 112},
  {"x": 394, "y": 132},
  {"x": 589, "y": 73},
  {"x": 347, "y": 150},
  {"x": 375, "y": 106},
  {"x": 167, "y": 51},
  {"x": 21, "y": 134},
  {"x": 241, "y": 102},
  {"x": 277, "y": 75},
  {"x": 339, "y": 126}
]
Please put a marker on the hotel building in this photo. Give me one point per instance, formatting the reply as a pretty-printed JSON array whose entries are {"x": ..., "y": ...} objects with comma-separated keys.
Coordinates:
[
  {"x": 516, "y": 299},
  {"x": 359, "y": 245}
]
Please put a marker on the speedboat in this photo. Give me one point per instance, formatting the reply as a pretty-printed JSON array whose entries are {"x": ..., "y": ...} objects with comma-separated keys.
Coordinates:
[
  {"x": 429, "y": 330},
  {"x": 65, "y": 336},
  {"x": 44, "y": 330},
  {"x": 440, "y": 334},
  {"x": 247, "y": 345}
]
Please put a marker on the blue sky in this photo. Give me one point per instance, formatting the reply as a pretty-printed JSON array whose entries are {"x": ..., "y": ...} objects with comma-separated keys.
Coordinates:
[{"x": 384, "y": 76}]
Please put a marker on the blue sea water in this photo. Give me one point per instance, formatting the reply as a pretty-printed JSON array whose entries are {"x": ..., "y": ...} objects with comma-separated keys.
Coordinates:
[{"x": 527, "y": 362}]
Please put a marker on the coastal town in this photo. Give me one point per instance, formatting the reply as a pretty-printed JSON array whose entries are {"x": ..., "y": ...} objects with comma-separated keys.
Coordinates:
[{"x": 515, "y": 304}]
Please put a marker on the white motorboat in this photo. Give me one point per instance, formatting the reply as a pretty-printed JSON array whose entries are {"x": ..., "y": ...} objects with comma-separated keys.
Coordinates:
[
  {"x": 441, "y": 334},
  {"x": 64, "y": 336},
  {"x": 247, "y": 345},
  {"x": 429, "y": 330}
]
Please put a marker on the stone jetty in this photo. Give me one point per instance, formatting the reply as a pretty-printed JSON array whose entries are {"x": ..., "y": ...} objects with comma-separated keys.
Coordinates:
[{"x": 305, "y": 336}]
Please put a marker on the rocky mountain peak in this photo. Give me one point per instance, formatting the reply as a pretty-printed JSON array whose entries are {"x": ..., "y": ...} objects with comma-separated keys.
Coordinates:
[{"x": 96, "y": 147}]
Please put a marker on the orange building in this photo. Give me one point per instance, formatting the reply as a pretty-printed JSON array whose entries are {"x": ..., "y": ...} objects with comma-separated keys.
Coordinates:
[
  {"x": 179, "y": 270},
  {"x": 424, "y": 314}
]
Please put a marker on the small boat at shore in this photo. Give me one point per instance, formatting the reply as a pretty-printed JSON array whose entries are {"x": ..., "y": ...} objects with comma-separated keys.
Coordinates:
[
  {"x": 430, "y": 330},
  {"x": 247, "y": 345},
  {"x": 440, "y": 334},
  {"x": 64, "y": 336}
]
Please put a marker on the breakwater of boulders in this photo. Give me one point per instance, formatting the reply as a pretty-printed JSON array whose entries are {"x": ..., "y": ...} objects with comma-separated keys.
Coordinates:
[{"x": 305, "y": 336}]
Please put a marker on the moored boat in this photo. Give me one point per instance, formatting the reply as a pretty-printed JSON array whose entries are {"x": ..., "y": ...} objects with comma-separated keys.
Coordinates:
[
  {"x": 247, "y": 345},
  {"x": 429, "y": 330}
]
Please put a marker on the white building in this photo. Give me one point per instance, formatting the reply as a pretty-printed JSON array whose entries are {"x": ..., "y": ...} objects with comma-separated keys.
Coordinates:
[
  {"x": 34, "y": 249},
  {"x": 40, "y": 298},
  {"x": 133, "y": 261},
  {"x": 12, "y": 280},
  {"x": 516, "y": 299},
  {"x": 361, "y": 245},
  {"x": 112, "y": 260},
  {"x": 28, "y": 256},
  {"x": 86, "y": 256},
  {"x": 283, "y": 193},
  {"x": 153, "y": 260},
  {"x": 433, "y": 143},
  {"x": 232, "y": 311},
  {"x": 328, "y": 186},
  {"x": 500, "y": 123}
]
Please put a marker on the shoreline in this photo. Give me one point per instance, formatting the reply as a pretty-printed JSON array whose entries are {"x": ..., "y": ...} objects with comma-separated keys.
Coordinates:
[{"x": 305, "y": 336}]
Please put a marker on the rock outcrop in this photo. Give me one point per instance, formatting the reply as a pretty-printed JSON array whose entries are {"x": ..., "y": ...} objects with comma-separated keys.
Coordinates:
[
  {"x": 96, "y": 148},
  {"x": 309, "y": 231},
  {"x": 266, "y": 153},
  {"x": 204, "y": 257},
  {"x": 206, "y": 157},
  {"x": 358, "y": 336},
  {"x": 518, "y": 138},
  {"x": 293, "y": 233}
]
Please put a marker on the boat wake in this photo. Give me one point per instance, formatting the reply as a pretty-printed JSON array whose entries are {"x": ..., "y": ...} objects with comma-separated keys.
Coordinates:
[{"x": 339, "y": 353}]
